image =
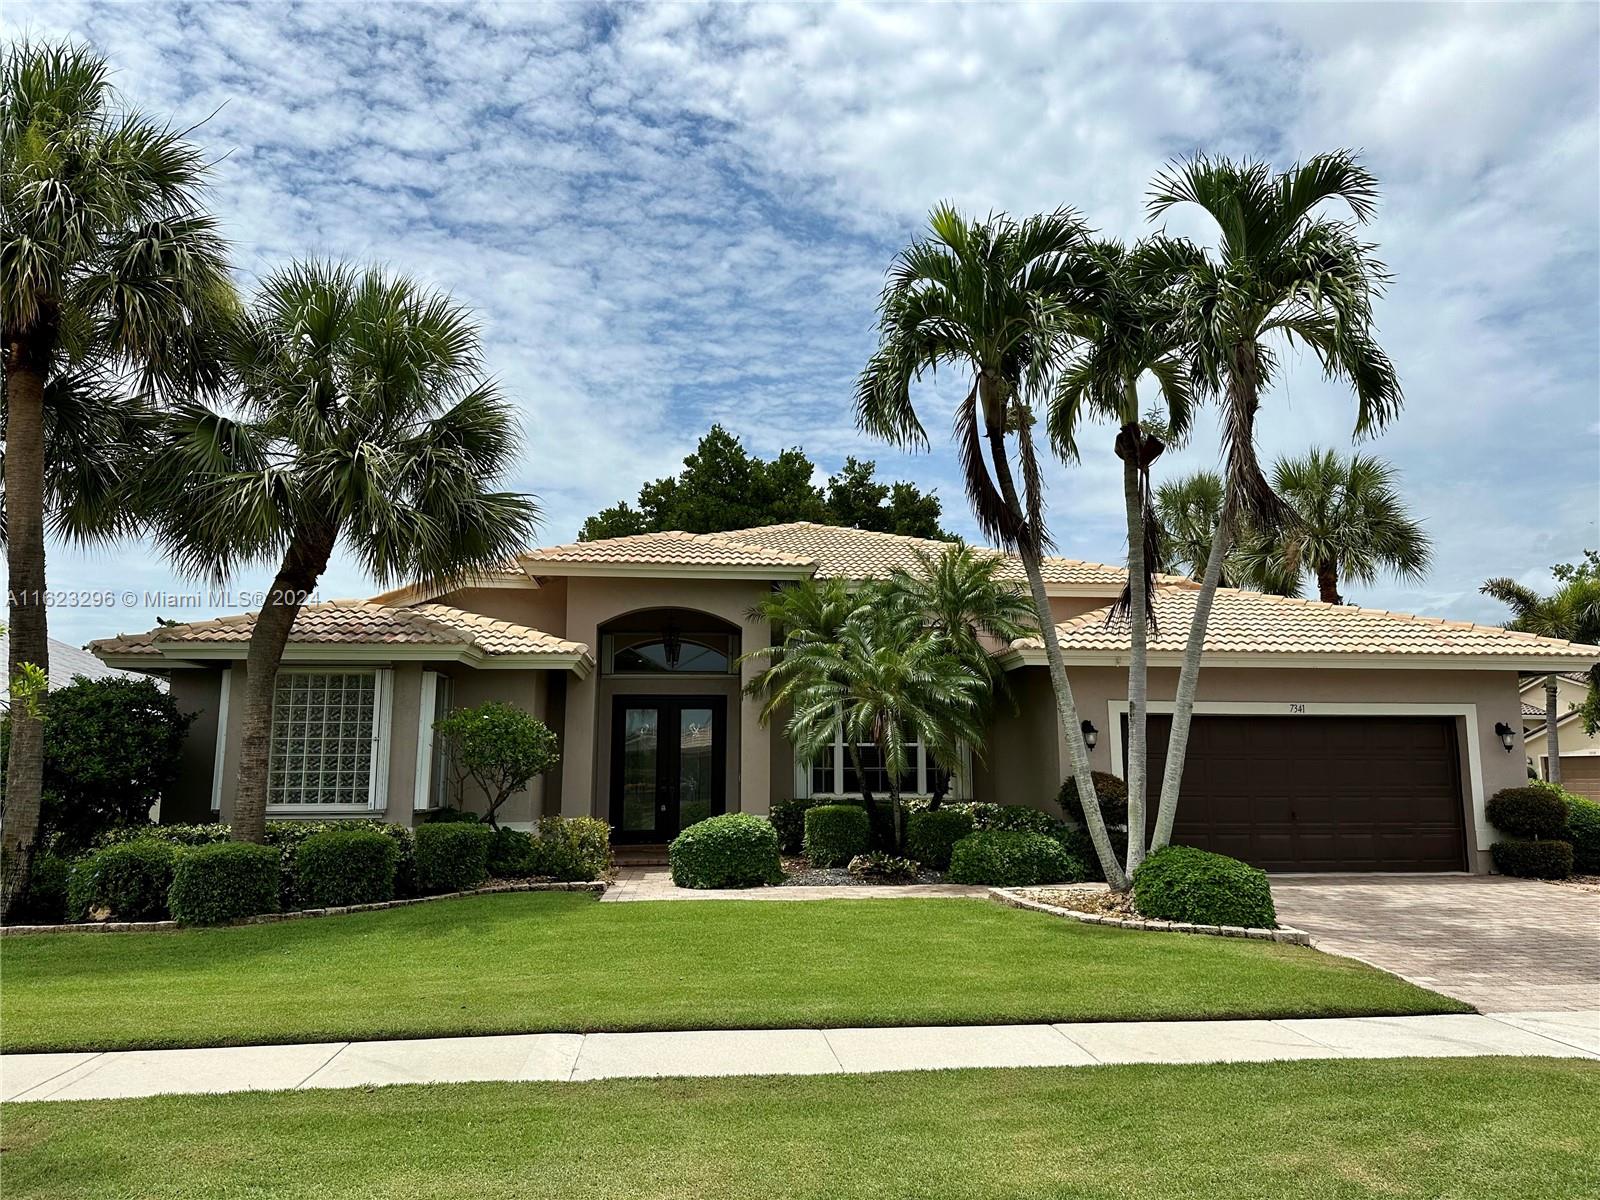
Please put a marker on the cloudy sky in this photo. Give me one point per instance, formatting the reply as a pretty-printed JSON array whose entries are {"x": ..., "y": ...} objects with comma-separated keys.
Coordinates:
[{"x": 669, "y": 216}]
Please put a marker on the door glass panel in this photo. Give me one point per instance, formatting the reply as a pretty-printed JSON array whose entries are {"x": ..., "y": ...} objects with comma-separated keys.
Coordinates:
[
  {"x": 696, "y": 747},
  {"x": 641, "y": 735}
]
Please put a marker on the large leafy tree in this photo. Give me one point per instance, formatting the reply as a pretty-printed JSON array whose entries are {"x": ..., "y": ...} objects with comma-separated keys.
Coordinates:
[
  {"x": 113, "y": 284},
  {"x": 1283, "y": 273},
  {"x": 1570, "y": 612},
  {"x": 724, "y": 486},
  {"x": 364, "y": 418},
  {"x": 1126, "y": 328},
  {"x": 991, "y": 299}
]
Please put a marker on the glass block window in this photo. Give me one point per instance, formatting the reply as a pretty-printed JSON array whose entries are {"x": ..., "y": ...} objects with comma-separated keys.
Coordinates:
[{"x": 323, "y": 725}]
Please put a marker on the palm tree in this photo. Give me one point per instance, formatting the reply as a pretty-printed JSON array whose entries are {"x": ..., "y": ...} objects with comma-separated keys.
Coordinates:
[
  {"x": 1125, "y": 329},
  {"x": 364, "y": 418},
  {"x": 112, "y": 282},
  {"x": 991, "y": 299},
  {"x": 1349, "y": 521},
  {"x": 1572, "y": 613},
  {"x": 1188, "y": 509},
  {"x": 1283, "y": 272}
]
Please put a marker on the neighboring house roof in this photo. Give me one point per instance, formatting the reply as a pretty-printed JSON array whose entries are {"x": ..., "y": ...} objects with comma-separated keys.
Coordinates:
[
  {"x": 67, "y": 662},
  {"x": 1532, "y": 712},
  {"x": 1537, "y": 679},
  {"x": 1253, "y": 626},
  {"x": 336, "y": 627}
]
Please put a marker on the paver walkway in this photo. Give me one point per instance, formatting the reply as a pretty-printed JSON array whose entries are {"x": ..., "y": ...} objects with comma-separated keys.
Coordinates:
[
  {"x": 574, "y": 1057},
  {"x": 655, "y": 883},
  {"x": 1500, "y": 944}
]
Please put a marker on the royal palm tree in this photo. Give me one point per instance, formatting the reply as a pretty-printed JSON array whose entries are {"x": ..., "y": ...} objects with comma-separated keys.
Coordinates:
[
  {"x": 1349, "y": 521},
  {"x": 1283, "y": 273},
  {"x": 991, "y": 299},
  {"x": 363, "y": 418},
  {"x": 113, "y": 281},
  {"x": 1125, "y": 329},
  {"x": 1572, "y": 613}
]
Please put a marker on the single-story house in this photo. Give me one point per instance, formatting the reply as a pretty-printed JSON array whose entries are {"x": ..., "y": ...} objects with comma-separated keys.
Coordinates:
[
  {"x": 1580, "y": 751},
  {"x": 1328, "y": 737}
]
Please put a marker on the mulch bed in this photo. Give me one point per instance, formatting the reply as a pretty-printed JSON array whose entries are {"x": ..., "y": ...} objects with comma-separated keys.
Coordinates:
[
  {"x": 1097, "y": 900},
  {"x": 799, "y": 873}
]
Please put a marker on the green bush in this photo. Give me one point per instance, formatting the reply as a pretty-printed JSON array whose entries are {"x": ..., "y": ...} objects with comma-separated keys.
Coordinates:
[
  {"x": 224, "y": 881},
  {"x": 1583, "y": 831},
  {"x": 172, "y": 835},
  {"x": 931, "y": 835},
  {"x": 511, "y": 854},
  {"x": 500, "y": 747},
  {"x": 45, "y": 900},
  {"x": 1537, "y": 810},
  {"x": 1531, "y": 858},
  {"x": 1012, "y": 858},
  {"x": 886, "y": 868},
  {"x": 729, "y": 851},
  {"x": 1181, "y": 883},
  {"x": 789, "y": 820},
  {"x": 836, "y": 833},
  {"x": 127, "y": 882},
  {"x": 447, "y": 816},
  {"x": 452, "y": 857},
  {"x": 571, "y": 849},
  {"x": 1112, "y": 791},
  {"x": 345, "y": 866},
  {"x": 1081, "y": 846}
]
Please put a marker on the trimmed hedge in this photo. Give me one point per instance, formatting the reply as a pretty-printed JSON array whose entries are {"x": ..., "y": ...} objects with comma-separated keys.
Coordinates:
[
  {"x": 511, "y": 854},
  {"x": 126, "y": 882},
  {"x": 1112, "y": 791},
  {"x": 1182, "y": 883},
  {"x": 836, "y": 833},
  {"x": 45, "y": 900},
  {"x": 789, "y": 821},
  {"x": 1538, "y": 810},
  {"x": 1011, "y": 858},
  {"x": 571, "y": 849},
  {"x": 1583, "y": 831},
  {"x": 452, "y": 856},
  {"x": 447, "y": 816},
  {"x": 345, "y": 866},
  {"x": 1529, "y": 858},
  {"x": 733, "y": 850},
  {"x": 224, "y": 882},
  {"x": 931, "y": 835}
]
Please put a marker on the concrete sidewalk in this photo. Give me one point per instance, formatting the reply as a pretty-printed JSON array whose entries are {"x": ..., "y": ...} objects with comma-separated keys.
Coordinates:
[{"x": 572, "y": 1056}]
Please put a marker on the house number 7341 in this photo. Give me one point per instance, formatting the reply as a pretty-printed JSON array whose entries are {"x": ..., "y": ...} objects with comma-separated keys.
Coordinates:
[{"x": 1297, "y": 708}]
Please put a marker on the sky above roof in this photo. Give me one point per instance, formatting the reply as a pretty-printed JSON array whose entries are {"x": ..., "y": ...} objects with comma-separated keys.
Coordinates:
[{"x": 669, "y": 216}]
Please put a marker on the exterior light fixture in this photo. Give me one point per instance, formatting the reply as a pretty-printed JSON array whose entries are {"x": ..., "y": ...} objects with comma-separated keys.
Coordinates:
[
  {"x": 1504, "y": 732},
  {"x": 1091, "y": 735}
]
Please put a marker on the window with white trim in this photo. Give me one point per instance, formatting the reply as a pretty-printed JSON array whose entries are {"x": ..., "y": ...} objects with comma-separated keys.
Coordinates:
[
  {"x": 327, "y": 728},
  {"x": 833, "y": 773}
]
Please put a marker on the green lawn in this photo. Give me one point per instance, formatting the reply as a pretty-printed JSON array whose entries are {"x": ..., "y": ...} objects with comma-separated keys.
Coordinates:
[
  {"x": 563, "y": 961},
  {"x": 1431, "y": 1128}
]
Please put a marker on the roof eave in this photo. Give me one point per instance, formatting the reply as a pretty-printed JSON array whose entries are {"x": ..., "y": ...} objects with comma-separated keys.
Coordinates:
[
  {"x": 1035, "y": 656},
  {"x": 580, "y": 662},
  {"x": 672, "y": 570}
]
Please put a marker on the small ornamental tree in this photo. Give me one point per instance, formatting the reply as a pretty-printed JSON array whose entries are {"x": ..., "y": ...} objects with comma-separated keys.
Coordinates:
[{"x": 500, "y": 747}]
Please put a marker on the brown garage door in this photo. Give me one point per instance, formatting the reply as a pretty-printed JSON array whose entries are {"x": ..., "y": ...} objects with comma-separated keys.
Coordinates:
[
  {"x": 1320, "y": 793},
  {"x": 1580, "y": 774}
]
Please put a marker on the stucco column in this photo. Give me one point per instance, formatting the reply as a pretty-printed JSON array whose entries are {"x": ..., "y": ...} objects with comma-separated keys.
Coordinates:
[{"x": 755, "y": 743}]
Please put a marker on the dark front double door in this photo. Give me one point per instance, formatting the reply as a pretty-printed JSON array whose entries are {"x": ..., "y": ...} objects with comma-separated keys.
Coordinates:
[{"x": 668, "y": 758}]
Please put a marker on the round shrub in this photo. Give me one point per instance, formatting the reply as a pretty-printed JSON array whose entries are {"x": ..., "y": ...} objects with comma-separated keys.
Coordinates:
[
  {"x": 1020, "y": 818},
  {"x": 126, "y": 882},
  {"x": 1181, "y": 883},
  {"x": 836, "y": 833},
  {"x": 1112, "y": 791},
  {"x": 1538, "y": 810},
  {"x": 1583, "y": 831},
  {"x": 733, "y": 850},
  {"x": 224, "y": 881},
  {"x": 571, "y": 849},
  {"x": 789, "y": 820},
  {"x": 1081, "y": 846},
  {"x": 511, "y": 854},
  {"x": 930, "y": 836},
  {"x": 1011, "y": 858},
  {"x": 452, "y": 857},
  {"x": 1533, "y": 859},
  {"x": 345, "y": 866},
  {"x": 45, "y": 899}
]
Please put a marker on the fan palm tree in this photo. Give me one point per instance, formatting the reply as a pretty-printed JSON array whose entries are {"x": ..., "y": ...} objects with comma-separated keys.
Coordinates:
[
  {"x": 364, "y": 418},
  {"x": 1284, "y": 273},
  {"x": 991, "y": 299},
  {"x": 113, "y": 282},
  {"x": 1349, "y": 521},
  {"x": 1125, "y": 329},
  {"x": 1572, "y": 613},
  {"x": 1188, "y": 509}
]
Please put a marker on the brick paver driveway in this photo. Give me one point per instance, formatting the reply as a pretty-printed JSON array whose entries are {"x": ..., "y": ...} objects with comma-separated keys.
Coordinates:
[{"x": 1503, "y": 945}]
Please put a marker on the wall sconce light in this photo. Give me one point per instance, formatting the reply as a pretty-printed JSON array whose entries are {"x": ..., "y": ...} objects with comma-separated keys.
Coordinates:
[
  {"x": 1091, "y": 735},
  {"x": 1505, "y": 733}
]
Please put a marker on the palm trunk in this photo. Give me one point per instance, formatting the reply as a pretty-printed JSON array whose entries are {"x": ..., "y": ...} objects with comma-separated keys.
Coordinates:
[
  {"x": 1066, "y": 707},
  {"x": 1328, "y": 583},
  {"x": 867, "y": 799},
  {"x": 28, "y": 630},
  {"x": 1138, "y": 663},
  {"x": 1188, "y": 685},
  {"x": 1552, "y": 739},
  {"x": 303, "y": 565}
]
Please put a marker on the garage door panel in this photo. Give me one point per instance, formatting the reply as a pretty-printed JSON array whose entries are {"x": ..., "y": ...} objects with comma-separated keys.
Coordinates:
[{"x": 1320, "y": 793}]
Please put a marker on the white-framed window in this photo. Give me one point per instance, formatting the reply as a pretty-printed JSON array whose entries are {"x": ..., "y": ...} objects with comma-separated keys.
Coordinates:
[
  {"x": 833, "y": 772},
  {"x": 330, "y": 740},
  {"x": 433, "y": 756}
]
